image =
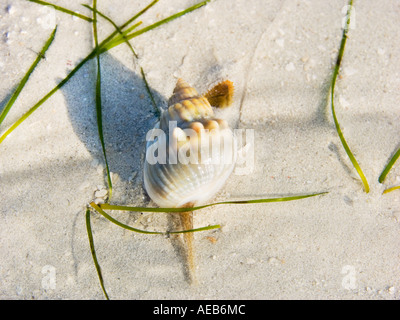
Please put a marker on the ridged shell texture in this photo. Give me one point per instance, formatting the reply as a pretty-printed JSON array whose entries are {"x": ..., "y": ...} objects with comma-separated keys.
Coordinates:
[{"x": 200, "y": 151}]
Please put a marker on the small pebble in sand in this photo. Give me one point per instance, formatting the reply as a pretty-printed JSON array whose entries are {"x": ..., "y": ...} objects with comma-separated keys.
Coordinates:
[
  {"x": 274, "y": 261},
  {"x": 290, "y": 67},
  {"x": 305, "y": 58},
  {"x": 213, "y": 240},
  {"x": 11, "y": 9},
  {"x": 381, "y": 51},
  {"x": 280, "y": 42},
  {"x": 392, "y": 290},
  {"x": 101, "y": 193},
  {"x": 309, "y": 64}
]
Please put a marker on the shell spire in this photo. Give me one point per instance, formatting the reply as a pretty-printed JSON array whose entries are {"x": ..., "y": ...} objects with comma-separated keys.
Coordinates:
[
  {"x": 182, "y": 91},
  {"x": 185, "y": 106}
]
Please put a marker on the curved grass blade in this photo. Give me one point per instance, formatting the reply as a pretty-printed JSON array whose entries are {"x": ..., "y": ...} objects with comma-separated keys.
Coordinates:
[
  {"x": 119, "y": 40},
  {"x": 268, "y": 200},
  {"x": 62, "y": 10},
  {"x": 156, "y": 108},
  {"x": 93, "y": 251},
  {"x": 99, "y": 114},
  {"x": 71, "y": 74},
  {"x": 118, "y": 29},
  {"x": 389, "y": 166},
  {"x": 101, "y": 50},
  {"x": 334, "y": 77},
  {"x": 24, "y": 80},
  {"x": 391, "y": 189},
  {"x": 122, "y": 225},
  {"x": 46, "y": 97}
]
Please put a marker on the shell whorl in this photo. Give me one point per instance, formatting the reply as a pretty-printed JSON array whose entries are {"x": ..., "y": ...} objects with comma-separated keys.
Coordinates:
[
  {"x": 196, "y": 131},
  {"x": 185, "y": 106},
  {"x": 182, "y": 91}
]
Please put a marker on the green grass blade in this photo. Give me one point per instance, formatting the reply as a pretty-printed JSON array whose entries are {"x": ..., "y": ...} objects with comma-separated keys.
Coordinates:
[
  {"x": 137, "y": 15},
  {"x": 122, "y": 35},
  {"x": 216, "y": 226},
  {"x": 389, "y": 166},
  {"x": 122, "y": 225},
  {"x": 391, "y": 189},
  {"x": 71, "y": 74},
  {"x": 24, "y": 80},
  {"x": 46, "y": 97},
  {"x": 93, "y": 251},
  {"x": 62, "y": 10},
  {"x": 99, "y": 114},
  {"x": 118, "y": 29},
  {"x": 118, "y": 41},
  {"x": 102, "y": 49},
  {"x": 333, "y": 83},
  {"x": 268, "y": 200},
  {"x": 128, "y": 22},
  {"x": 93, "y": 54},
  {"x": 156, "y": 108}
]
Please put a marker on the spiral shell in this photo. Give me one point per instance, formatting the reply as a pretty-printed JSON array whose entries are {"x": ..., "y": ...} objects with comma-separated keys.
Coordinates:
[{"x": 199, "y": 151}]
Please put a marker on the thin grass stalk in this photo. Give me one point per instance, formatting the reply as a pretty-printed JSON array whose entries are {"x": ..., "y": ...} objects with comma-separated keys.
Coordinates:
[
  {"x": 120, "y": 40},
  {"x": 124, "y": 226},
  {"x": 89, "y": 57},
  {"x": 46, "y": 97},
  {"x": 93, "y": 252},
  {"x": 146, "y": 209},
  {"x": 334, "y": 77},
  {"x": 391, "y": 189},
  {"x": 123, "y": 34},
  {"x": 156, "y": 108},
  {"x": 71, "y": 74},
  {"x": 389, "y": 166},
  {"x": 99, "y": 113},
  {"x": 24, "y": 80}
]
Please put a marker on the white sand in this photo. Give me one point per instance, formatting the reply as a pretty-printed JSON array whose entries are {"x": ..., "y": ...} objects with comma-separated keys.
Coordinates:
[{"x": 279, "y": 54}]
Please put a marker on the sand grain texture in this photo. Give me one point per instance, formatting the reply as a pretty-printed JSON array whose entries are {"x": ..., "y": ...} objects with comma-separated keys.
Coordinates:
[{"x": 279, "y": 55}]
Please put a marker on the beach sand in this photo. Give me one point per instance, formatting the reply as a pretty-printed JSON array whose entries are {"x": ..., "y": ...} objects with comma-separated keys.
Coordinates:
[{"x": 280, "y": 56}]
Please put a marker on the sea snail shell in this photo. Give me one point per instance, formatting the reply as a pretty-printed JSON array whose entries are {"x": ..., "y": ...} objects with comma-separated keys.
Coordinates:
[{"x": 198, "y": 150}]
